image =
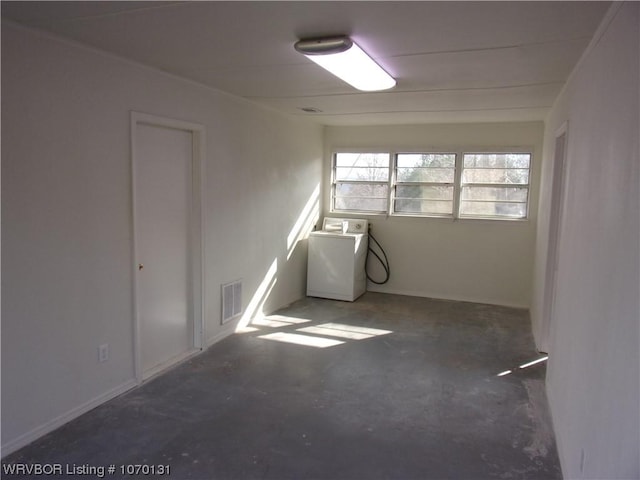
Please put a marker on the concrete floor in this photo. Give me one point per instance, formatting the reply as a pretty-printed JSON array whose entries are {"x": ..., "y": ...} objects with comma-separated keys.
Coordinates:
[{"x": 411, "y": 393}]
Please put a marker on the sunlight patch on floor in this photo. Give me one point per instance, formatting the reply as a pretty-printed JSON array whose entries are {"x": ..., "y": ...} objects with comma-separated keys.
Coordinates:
[
  {"x": 524, "y": 365},
  {"x": 286, "y": 319},
  {"x": 527, "y": 365},
  {"x": 344, "y": 331},
  {"x": 320, "y": 336},
  {"x": 306, "y": 340}
]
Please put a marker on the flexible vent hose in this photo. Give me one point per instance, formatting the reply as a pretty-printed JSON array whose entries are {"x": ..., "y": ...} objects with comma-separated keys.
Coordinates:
[{"x": 384, "y": 262}]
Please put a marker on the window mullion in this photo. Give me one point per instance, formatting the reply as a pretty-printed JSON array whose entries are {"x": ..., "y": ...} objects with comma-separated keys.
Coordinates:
[
  {"x": 457, "y": 185},
  {"x": 332, "y": 199},
  {"x": 393, "y": 160}
]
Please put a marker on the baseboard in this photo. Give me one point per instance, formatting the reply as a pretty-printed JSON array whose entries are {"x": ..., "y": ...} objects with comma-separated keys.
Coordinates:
[
  {"x": 436, "y": 296},
  {"x": 36, "y": 433}
]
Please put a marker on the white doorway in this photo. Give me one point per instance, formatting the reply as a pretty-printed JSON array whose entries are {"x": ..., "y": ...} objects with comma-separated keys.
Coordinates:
[
  {"x": 555, "y": 220},
  {"x": 166, "y": 164}
]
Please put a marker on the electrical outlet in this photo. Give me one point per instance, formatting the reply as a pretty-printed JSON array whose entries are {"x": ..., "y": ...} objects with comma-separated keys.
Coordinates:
[{"x": 103, "y": 353}]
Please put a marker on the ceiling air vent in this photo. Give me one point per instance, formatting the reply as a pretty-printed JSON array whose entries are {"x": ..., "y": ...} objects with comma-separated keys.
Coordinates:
[{"x": 231, "y": 300}]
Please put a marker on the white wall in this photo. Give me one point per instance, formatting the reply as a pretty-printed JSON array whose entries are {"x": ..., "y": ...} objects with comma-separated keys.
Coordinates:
[
  {"x": 66, "y": 213},
  {"x": 471, "y": 260},
  {"x": 594, "y": 364}
]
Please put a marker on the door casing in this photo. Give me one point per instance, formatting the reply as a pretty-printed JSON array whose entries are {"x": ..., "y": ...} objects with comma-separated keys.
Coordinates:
[
  {"x": 196, "y": 235},
  {"x": 558, "y": 183}
]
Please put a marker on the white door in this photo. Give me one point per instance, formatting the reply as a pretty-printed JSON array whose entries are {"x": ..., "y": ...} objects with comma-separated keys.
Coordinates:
[{"x": 163, "y": 193}]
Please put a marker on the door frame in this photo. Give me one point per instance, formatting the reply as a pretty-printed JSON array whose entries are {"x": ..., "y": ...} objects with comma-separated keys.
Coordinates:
[
  {"x": 556, "y": 214},
  {"x": 196, "y": 236}
]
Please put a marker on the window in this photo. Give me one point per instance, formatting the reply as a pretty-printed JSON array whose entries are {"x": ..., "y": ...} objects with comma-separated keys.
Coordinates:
[
  {"x": 428, "y": 184},
  {"x": 495, "y": 185},
  {"x": 361, "y": 182},
  {"x": 424, "y": 183}
]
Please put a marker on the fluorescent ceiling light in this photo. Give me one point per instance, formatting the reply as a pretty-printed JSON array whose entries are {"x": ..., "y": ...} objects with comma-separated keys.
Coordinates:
[{"x": 347, "y": 61}]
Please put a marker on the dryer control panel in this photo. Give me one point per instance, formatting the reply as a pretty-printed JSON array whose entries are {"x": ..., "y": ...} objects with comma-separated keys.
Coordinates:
[{"x": 345, "y": 225}]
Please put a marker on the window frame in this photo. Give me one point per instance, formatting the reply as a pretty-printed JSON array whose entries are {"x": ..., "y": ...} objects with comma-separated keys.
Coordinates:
[
  {"x": 527, "y": 185},
  {"x": 459, "y": 153},
  {"x": 335, "y": 181},
  {"x": 396, "y": 183}
]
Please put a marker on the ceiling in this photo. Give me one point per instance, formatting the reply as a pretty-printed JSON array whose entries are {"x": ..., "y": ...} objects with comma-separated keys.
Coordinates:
[{"x": 453, "y": 61}]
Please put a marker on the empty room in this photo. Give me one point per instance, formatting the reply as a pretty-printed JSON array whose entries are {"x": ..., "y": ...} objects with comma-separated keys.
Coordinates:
[{"x": 393, "y": 240}]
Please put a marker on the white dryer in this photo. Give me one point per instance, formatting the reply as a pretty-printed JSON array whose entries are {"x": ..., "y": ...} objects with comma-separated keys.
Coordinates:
[{"x": 337, "y": 255}]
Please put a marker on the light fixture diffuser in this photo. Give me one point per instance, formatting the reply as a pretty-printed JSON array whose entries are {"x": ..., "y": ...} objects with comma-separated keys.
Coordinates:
[{"x": 347, "y": 61}]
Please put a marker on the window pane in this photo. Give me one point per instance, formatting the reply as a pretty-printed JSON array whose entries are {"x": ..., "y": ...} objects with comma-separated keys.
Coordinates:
[
  {"x": 423, "y": 207},
  {"x": 361, "y": 204},
  {"x": 431, "y": 160},
  {"x": 497, "y": 160},
  {"x": 426, "y": 167},
  {"x": 361, "y": 182},
  {"x": 424, "y": 192},
  {"x": 363, "y": 174},
  {"x": 496, "y": 175},
  {"x": 363, "y": 197},
  {"x": 493, "y": 209},
  {"x": 495, "y": 185},
  {"x": 344, "y": 189},
  {"x": 362, "y": 160},
  {"x": 424, "y": 171},
  {"x": 517, "y": 194},
  {"x": 429, "y": 175}
]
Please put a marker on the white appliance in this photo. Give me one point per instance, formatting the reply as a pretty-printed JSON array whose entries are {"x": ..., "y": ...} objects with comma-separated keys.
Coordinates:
[{"x": 337, "y": 255}]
